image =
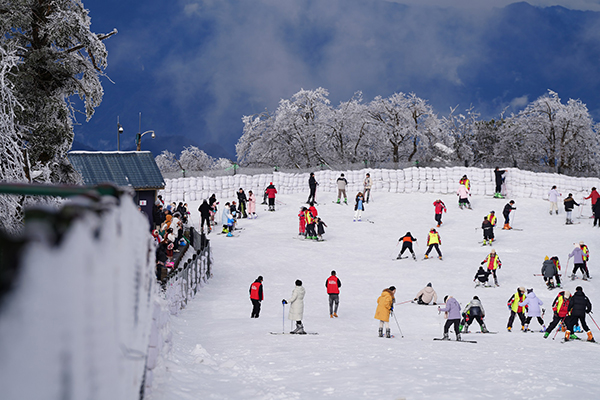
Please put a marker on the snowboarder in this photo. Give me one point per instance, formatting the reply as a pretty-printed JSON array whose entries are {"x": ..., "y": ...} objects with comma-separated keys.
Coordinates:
[
  {"x": 473, "y": 311},
  {"x": 385, "y": 306},
  {"x": 553, "y": 196},
  {"x": 297, "y": 307},
  {"x": 359, "y": 206},
  {"x": 302, "y": 221},
  {"x": 493, "y": 263},
  {"x": 506, "y": 213},
  {"x": 532, "y": 303},
  {"x": 367, "y": 183},
  {"x": 578, "y": 307},
  {"x": 256, "y": 296},
  {"x": 481, "y": 276},
  {"x": 341, "y": 184},
  {"x": 242, "y": 200},
  {"x": 550, "y": 271},
  {"x": 586, "y": 257},
  {"x": 433, "y": 241},
  {"x": 499, "y": 180},
  {"x": 312, "y": 184},
  {"x": 463, "y": 197},
  {"x": 452, "y": 315},
  {"x": 205, "y": 216},
  {"x": 488, "y": 231},
  {"x": 516, "y": 309},
  {"x": 426, "y": 295},
  {"x": 407, "y": 242},
  {"x": 271, "y": 192},
  {"x": 320, "y": 228},
  {"x": 251, "y": 204},
  {"x": 439, "y": 208},
  {"x": 465, "y": 181},
  {"x": 577, "y": 255},
  {"x": 333, "y": 285},
  {"x": 570, "y": 204},
  {"x": 560, "y": 307}
]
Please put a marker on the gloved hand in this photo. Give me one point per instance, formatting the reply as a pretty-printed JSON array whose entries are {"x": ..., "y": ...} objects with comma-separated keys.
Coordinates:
[
  {"x": 283, "y": 301},
  {"x": 392, "y": 309},
  {"x": 434, "y": 303}
]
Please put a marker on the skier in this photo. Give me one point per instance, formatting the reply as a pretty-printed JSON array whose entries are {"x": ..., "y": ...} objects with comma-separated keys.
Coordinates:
[
  {"x": 333, "y": 285},
  {"x": 359, "y": 207},
  {"x": 492, "y": 218},
  {"x": 452, "y": 315},
  {"x": 313, "y": 209},
  {"x": 367, "y": 183},
  {"x": 439, "y": 208},
  {"x": 204, "y": 216},
  {"x": 492, "y": 262},
  {"x": 433, "y": 241},
  {"x": 407, "y": 242},
  {"x": 482, "y": 275},
  {"x": 426, "y": 295},
  {"x": 570, "y": 204},
  {"x": 594, "y": 195},
  {"x": 256, "y": 296},
  {"x": 473, "y": 311},
  {"x": 271, "y": 192},
  {"x": 488, "y": 231},
  {"x": 312, "y": 184},
  {"x": 499, "y": 180},
  {"x": 560, "y": 307},
  {"x": 341, "y": 184},
  {"x": 586, "y": 257},
  {"x": 463, "y": 197},
  {"x": 532, "y": 303},
  {"x": 385, "y": 306},
  {"x": 550, "y": 268},
  {"x": 297, "y": 307},
  {"x": 553, "y": 195},
  {"x": 310, "y": 225},
  {"x": 578, "y": 262},
  {"x": 506, "y": 213},
  {"x": 578, "y": 307},
  {"x": 225, "y": 216},
  {"x": 516, "y": 309},
  {"x": 320, "y": 228},
  {"x": 251, "y": 204},
  {"x": 302, "y": 221},
  {"x": 465, "y": 181}
]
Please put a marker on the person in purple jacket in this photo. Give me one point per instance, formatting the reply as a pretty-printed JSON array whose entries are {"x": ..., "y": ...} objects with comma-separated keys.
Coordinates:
[
  {"x": 452, "y": 311},
  {"x": 578, "y": 260}
]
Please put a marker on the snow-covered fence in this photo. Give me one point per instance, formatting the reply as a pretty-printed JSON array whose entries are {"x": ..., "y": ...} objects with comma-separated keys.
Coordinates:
[
  {"x": 78, "y": 319},
  {"x": 519, "y": 183}
]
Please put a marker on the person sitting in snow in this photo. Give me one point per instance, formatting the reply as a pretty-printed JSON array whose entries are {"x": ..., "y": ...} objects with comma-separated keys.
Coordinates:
[
  {"x": 482, "y": 276},
  {"x": 473, "y": 312},
  {"x": 426, "y": 295}
]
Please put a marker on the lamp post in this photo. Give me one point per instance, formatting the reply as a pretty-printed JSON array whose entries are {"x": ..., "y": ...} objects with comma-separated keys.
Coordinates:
[
  {"x": 138, "y": 139},
  {"x": 119, "y": 131}
]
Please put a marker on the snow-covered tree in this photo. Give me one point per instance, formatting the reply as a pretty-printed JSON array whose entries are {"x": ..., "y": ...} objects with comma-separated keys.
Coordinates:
[
  {"x": 222, "y": 163},
  {"x": 194, "y": 159},
  {"x": 461, "y": 129},
  {"x": 167, "y": 162}
]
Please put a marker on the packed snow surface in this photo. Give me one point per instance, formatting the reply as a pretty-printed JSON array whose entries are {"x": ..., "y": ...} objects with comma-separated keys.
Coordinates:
[{"x": 219, "y": 352}]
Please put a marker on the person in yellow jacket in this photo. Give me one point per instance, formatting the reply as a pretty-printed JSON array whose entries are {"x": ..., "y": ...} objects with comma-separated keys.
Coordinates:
[
  {"x": 516, "y": 309},
  {"x": 385, "y": 306},
  {"x": 492, "y": 218},
  {"x": 433, "y": 241},
  {"x": 492, "y": 263}
]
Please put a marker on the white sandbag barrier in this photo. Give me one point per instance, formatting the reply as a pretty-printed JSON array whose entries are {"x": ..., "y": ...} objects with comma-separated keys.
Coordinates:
[{"x": 518, "y": 183}]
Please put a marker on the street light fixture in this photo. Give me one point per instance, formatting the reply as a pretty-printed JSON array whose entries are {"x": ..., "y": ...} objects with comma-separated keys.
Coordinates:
[
  {"x": 119, "y": 131},
  {"x": 138, "y": 139}
]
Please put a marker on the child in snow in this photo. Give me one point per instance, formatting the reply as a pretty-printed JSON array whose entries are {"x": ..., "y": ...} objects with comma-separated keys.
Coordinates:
[
  {"x": 297, "y": 307},
  {"x": 433, "y": 241},
  {"x": 516, "y": 309},
  {"x": 553, "y": 195},
  {"x": 560, "y": 306},
  {"x": 492, "y": 262},
  {"x": 482, "y": 276},
  {"x": 407, "y": 242},
  {"x": 320, "y": 228},
  {"x": 452, "y": 315},
  {"x": 488, "y": 231},
  {"x": 358, "y": 206},
  {"x": 506, "y": 213},
  {"x": 550, "y": 271},
  {"x": 426, "y": 295},
  {"x": 310, "y": 225},
  {"x": 586, "y": 257},
  {"x": 385, "y": 306},
  {"x": 302, "y": 221},
  {"x": 473, "y": 312},
  {"x": 440, "y": 207},
  {"x": 578, "y": 256},
  {"x": 251, "y": 204},
  {"x": 533, "y": 310},
  {"x": 463, "y": 197},
  {"x": 570, "y": 204}
]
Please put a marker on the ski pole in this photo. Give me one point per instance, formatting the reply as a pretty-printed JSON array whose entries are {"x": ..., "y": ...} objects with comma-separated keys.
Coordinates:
[
  {"x": 558, "y": 327},
  {"x": 283, "y": 319},
  {"x": 595, "y": 322},
  {"x": 403, "y": 302},
  {"x": 401, "y": 334}
]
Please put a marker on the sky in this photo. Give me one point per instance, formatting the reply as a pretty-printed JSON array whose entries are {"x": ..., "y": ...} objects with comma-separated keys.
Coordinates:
[{"x": 194, "y": 68}]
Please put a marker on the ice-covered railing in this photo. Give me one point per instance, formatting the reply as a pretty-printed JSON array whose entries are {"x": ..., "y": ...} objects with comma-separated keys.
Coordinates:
[
  {"x": 518, "y": 183},
  {"x": 77, "y": 321}
]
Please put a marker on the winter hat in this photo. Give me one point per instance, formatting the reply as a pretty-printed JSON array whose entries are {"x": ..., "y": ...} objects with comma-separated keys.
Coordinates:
[
  {"x": 493, "y": 251},
  {"x": 445, "y": 298},
  {"x": 342, "y": 175},
  {"x": 298, "y": 282},
  {"x": 529, "y": 290},
  {"x": 392, "y": 288},
  {"x": 581, "y": 243},
  {"x": 475, "y": 298},
  {"x": 567, "y": 294},
  {"x": 492, "y": 212},
  {"x": 429, "y": 284},
  {"x": 546, "y": 258},
  {"x": 522, "y": 289},
  {"x": 260, "y": 278},
  {"x": 579, "y": 289},
  {"x": 570, "y": 194},
  {"x": 270, "y": 183}
]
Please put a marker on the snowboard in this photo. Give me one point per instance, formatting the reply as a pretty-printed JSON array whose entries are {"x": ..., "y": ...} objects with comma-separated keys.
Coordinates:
[{"x": 464, "y": 341}]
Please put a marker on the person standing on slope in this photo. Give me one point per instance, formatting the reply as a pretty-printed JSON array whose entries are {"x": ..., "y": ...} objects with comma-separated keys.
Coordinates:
[
  {"x": 312, "y": 185},
  {"x": 463, "y": 197},
  {"x": 251, "y": 204},
  {"x": 516, "y": 309},
  {"x": 407, "y": 242},
  {"x": 577, "y": 255},
  {"x": 205, "y": 217},
  {"x": 242, "y": 200},
  {"x": 473, "y": 312},
  {"x": 297, "y": 307},
  {"x": 499, "y": 180},
  {"x": 310, "y": 225},
  {"x": 550, "y": 270},
  {"x": 271, "y": 192},
  {"x": 256, "y": 296},
  {"x": 594, "y": 195},
  {"x": 553, "y": 196},
  {"x": 426, "y": 296},
  {"x": 302, "y": 221},
  {"x": 385, "y": 306},
  {"x": 570, "y": 204},
  {"x": 341, "y": 184},
  {"x": 465, "y": 181},
  {"x": 359, "y": 207},
  {"x": 321, "y": 225},
  {"x": 586, "y": 257},
  {"x": 452, "y": 315},
  {"x": 533, "y": 303},
  {"x": 433, "y": 241},
  {"x": 440, "y": 207},
  {"x": 488, "y": 231},
  {"x": 492, "y": 263},
  {"x": 560, "y": 306},
  {"x": 333, "y": 285},
  {"x": 367, "y": 183},
  {"x": 578, "y": 307},
  {"x": 506, "y": 213}
]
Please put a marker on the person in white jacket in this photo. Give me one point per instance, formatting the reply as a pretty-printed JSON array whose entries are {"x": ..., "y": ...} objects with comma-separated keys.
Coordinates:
[
  {"x": 426, "y": 295},
  {"x": 553, "y": 196},
  {"x": 296, "y": 303},
  {"x": 463, "y": 197},
  {"x": 533, "y": 310}
]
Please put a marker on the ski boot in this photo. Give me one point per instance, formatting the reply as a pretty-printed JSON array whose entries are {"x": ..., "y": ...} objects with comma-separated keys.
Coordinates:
[
  {"x": 543, "y": 329},
  {"x": 388, "y": 333},
  {"x": 469, "y": 207},
  {"x": 354, "y": 220},
  {"x": 484, "y": 242},
  {"x": 414, "y": 257},
  {"x": 440, "y": 257},
  {"x": 509, "y": 328},
  {"x": 446, "y": 337},
  {"x": 229, "y": 234},
  {"x": 460, "y": 206},
  {"x": 335, "y": 315},
  {"x": 484, "y": 329},
  {"x": 380, "y": 332},
  {"x": 458, "y": 338},
  {"x": 426, "y": 256},
  {"x": 590, "y": 336},
  {"x": 338, "y": 201},
  {"x": 461, "y": 328},
  {"x": 546, "y": 335},
  {"x": 330, "y": 315}
]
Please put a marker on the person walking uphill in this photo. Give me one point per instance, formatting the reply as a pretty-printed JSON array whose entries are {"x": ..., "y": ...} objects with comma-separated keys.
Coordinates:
[
  {"x": 440, "y": 207},
  {"x": 333, "y": 285},
  {"x": 341, "y": 184},
  {"x": 452, "y": 314},
  {"x": 385, "y": 306},
  {"x": 296, "y": 303},
  {"x": 256, "y": 296},
  {"x": 312, "y": 185},
  {"x": 271, "y": 192},
  {"x": 578, "y": 307}
]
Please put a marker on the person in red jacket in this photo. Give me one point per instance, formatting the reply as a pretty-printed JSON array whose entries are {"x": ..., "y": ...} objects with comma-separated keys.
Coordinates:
[
  {"x": 302, "y": 221},
  {"x": 440, "y": 207},
  {"x": 594, "y": 196},
  {"x": 333, "y": 285},
  {"x": 271, "y": 192},
  {"x": 561, "y": 309},
  {"x": 256, "y": 296}
]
